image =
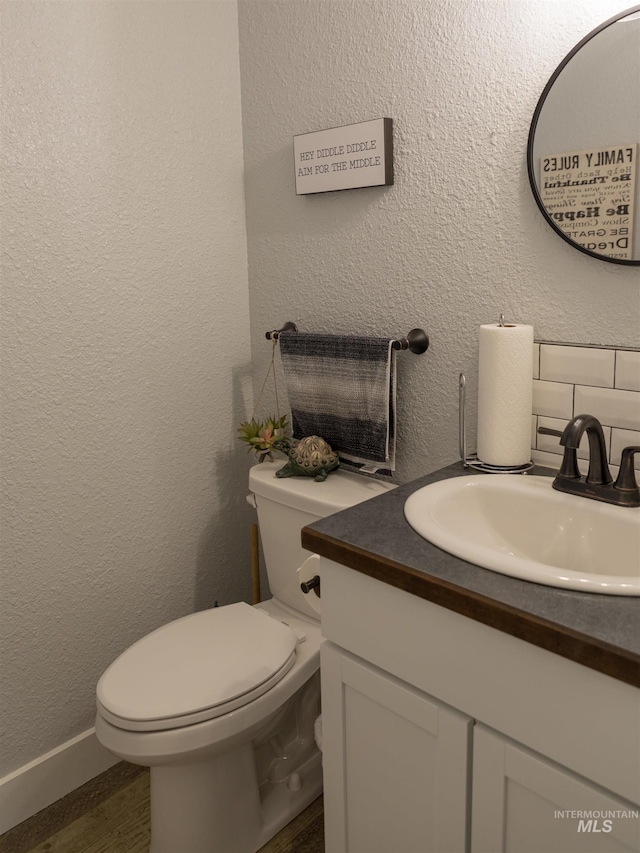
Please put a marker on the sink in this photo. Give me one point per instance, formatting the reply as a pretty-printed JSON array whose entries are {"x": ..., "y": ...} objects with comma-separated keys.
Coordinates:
[{"x": 520, "y": 526}]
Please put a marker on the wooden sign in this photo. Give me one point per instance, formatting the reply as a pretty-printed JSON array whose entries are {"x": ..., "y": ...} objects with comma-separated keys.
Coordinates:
[
  {"x": 344, "y": 158},
  {"x": 590, "y": 196}
]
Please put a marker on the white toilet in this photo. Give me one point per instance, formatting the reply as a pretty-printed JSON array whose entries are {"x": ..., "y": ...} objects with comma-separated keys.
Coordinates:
[{"x": 221, "y": 704}]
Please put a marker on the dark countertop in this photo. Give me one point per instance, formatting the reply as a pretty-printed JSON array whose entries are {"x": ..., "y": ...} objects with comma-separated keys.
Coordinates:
[{"x": 599, "y": 631}]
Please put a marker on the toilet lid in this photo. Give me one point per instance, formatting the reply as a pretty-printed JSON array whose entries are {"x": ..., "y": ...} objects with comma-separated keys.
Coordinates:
[{"x": 196, "y": 668}]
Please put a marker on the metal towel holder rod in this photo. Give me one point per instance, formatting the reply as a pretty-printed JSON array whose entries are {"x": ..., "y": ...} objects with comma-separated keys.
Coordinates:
[{"x": 416, "y": 341}]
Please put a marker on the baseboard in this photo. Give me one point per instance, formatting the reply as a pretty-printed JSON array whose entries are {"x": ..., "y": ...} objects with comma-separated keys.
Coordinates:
[{"x": 35, "y": 786}]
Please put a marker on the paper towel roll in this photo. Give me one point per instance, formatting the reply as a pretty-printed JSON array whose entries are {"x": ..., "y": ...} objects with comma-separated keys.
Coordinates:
[{"x": 505, "y": 374}]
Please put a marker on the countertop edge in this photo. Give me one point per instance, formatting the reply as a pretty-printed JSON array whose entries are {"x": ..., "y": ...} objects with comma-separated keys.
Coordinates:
[{"x": 591, "y": 652}]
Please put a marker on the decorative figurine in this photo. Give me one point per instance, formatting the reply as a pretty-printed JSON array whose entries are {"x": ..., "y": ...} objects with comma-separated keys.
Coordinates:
[{"x": 308, "y": 457}]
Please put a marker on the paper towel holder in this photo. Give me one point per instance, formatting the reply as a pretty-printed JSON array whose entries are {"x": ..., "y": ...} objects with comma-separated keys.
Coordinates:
[
  {"x": 504, "y": 325},
  {"x": 471, "y": 460}
]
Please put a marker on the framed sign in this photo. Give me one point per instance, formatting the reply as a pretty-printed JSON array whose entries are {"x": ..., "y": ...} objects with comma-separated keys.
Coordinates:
[
  {"x": 344, "y": 158},
  {"x": 589, "y": 195}
]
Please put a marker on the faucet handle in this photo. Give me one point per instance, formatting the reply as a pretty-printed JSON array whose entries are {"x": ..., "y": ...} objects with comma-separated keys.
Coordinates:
[
  {"x": 569, "y": 469},
  {"x": 626, "y": 480}
]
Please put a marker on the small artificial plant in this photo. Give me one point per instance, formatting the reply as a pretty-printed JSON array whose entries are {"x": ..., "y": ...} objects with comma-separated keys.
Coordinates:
[{"x": 265, "y": 437}]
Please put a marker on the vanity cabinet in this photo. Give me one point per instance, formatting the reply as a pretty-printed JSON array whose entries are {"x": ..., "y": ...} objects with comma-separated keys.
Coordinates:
[
  {"x": 401, "y": 760},
  {"x": 521, "y": 803},
  {"x": 443, "y": 734}
]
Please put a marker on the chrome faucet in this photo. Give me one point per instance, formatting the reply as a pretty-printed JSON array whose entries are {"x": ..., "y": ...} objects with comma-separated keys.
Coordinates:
[{"x": 598, "y": 484}]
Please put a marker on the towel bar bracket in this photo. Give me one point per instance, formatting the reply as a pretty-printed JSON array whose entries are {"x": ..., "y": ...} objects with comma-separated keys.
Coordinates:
[
  {"x": 417, "y": 341},
  {"x": 288, "y": 327}
]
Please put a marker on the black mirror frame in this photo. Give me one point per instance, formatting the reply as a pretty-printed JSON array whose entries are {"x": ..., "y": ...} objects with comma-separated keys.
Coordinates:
[{"x": 532, "y": 132}]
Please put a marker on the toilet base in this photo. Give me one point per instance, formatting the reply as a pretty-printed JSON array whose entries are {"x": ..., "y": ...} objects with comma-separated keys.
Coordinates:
[
  {"x": 229, "y": 784},
  {"x": 208, "y": 807}
]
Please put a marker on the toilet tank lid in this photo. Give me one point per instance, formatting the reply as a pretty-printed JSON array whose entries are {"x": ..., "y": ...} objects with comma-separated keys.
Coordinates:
[{"x": 340, "y": 490}]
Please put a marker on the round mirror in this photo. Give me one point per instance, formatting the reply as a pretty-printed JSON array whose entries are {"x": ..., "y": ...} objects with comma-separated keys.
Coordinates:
[{"x": 583, "y": 143}]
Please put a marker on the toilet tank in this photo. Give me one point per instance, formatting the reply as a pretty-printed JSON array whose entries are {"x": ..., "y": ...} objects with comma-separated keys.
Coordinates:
[{"x": 285, "y": 506}]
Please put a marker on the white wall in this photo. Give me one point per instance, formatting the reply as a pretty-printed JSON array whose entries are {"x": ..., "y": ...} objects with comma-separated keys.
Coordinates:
[
  {"x": 125, "y": 343},
  {"x": 458, "y": 238}
]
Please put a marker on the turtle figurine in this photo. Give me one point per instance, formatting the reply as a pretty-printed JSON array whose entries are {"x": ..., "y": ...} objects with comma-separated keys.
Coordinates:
[{"x": 308, "y": 457}]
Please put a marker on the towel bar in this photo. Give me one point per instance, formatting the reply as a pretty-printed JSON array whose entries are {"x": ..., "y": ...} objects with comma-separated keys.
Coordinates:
[{"x": 417, "y": 340}]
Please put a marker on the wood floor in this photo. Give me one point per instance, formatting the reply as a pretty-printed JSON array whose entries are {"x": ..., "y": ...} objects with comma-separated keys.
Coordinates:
[{"x": 110, "y": 814}]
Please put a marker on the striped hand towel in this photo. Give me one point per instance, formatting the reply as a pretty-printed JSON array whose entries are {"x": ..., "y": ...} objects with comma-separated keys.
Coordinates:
[{"x": 343, "y": 389}]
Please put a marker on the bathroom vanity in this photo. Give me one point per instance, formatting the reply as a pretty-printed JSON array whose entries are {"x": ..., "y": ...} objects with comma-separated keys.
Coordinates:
[{"x": 464, "y": 710}]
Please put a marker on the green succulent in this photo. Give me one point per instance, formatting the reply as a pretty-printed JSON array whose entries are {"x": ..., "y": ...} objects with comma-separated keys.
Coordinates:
[{"x": 263, "y": 437}]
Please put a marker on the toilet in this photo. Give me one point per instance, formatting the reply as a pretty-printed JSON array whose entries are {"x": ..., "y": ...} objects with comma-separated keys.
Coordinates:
[{"x": 221, "y": 704}]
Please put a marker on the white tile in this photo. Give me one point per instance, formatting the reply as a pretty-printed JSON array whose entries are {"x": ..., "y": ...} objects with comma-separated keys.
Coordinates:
[
  {"x": 621, "y": 438},
  {"x": 628, "y": 370},
  {"x": 579, "y": 365},
  {"x": 610, "y": 406},
  {"x": 552, "y": 460},
  {"x": 536, "y": 361},
  {"x": 548, "y": 460},
  {"x": 552, "y": 399},
  {"x": 551, "y": 443}
]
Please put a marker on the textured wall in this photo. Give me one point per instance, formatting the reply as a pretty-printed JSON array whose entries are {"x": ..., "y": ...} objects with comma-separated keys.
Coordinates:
[
  {"x": 125, "y": 354},
  {"x": 124, "y": 342},
  {"x": 459, "y": 238}
]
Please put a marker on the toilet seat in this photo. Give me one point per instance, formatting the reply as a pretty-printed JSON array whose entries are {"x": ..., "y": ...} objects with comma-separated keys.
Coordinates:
[{"x": 196, "y": 668}]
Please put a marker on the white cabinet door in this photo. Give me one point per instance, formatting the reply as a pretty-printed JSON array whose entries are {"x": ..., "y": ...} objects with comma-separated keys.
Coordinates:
[
  {"x": 523, "y": 803},
  {"x": 396, "y": 763}
]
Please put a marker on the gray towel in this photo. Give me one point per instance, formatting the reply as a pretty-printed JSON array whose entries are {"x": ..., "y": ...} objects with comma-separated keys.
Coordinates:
[{"x": 343, "y": 389}]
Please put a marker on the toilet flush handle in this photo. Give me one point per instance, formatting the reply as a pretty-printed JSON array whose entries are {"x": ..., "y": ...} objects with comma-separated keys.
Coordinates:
[{"x": 313, "y": 584}]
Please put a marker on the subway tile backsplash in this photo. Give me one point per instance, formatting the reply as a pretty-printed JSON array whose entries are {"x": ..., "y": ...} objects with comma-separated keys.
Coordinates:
[
  {"x": 584, "y": 365},
  {"x": 611, "y": 406},
  {"x": 628, "y": 370},
  {"x": 553, "y": 399},
  {"x": 569, "y": 380}
]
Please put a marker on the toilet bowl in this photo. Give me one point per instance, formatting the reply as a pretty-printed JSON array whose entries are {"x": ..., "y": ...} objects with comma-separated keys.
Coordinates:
[
  {"x": 221, "y": 704},
  {"x": 212, "y": 780}
]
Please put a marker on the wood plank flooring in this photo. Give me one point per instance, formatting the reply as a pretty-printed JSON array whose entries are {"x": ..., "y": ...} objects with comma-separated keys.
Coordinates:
[{"x": 110, "y": 814}]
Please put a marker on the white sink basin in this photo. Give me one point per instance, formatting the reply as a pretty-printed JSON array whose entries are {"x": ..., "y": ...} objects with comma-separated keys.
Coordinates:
[{"x": 519, "y": 526}]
